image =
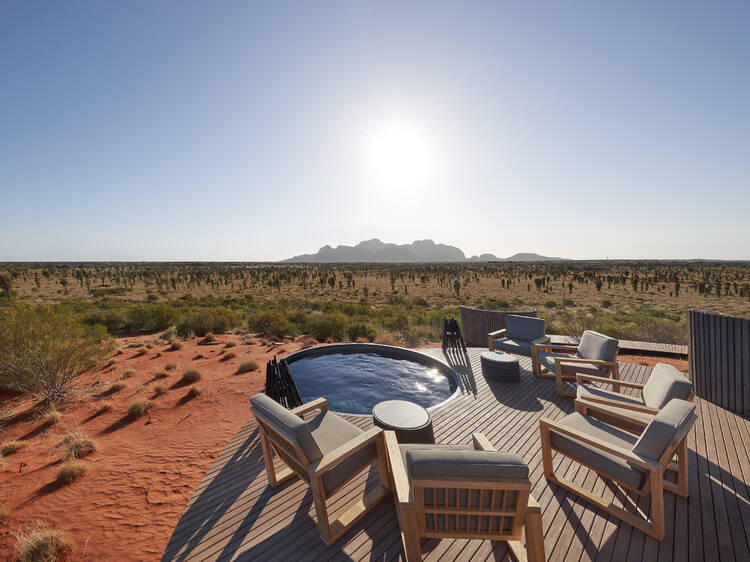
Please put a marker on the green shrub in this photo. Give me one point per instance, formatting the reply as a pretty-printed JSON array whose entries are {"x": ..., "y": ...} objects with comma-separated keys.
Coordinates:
[
  {"x": 45, "y": 348},
  {"x": 271, "y": 323},
  {"x": 200, "y": 322},
  {"x": 358, "y": 330},
  {"x": 327, "y": 325}
]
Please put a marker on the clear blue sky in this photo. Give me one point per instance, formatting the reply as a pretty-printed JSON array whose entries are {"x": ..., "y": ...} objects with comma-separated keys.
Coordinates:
[{"x": 245, "y": 130}]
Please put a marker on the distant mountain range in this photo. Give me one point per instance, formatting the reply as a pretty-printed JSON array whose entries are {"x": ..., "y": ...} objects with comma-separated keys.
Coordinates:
[{"x": 420, "y": 251}]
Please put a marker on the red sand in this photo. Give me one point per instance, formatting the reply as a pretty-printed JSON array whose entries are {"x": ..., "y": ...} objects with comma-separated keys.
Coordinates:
[{"x": 144, "y": 472}]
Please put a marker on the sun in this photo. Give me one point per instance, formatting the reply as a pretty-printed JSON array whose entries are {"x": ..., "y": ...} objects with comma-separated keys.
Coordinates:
[{"x": 399, "y": 157}]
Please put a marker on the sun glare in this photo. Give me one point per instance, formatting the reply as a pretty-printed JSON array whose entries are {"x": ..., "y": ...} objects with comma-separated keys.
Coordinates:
[{"x": 399, "y": 157}]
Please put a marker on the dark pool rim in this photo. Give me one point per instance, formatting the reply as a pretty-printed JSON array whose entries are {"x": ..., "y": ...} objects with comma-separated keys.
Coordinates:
[{"x": 390, "y": 351}]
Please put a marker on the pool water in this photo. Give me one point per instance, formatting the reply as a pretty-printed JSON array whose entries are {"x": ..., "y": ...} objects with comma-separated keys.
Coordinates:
[{"x": 354, "y": 382}]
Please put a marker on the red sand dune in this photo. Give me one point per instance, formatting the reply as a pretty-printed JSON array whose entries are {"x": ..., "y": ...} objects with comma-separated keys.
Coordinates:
[{"x": 144, "y": 471}]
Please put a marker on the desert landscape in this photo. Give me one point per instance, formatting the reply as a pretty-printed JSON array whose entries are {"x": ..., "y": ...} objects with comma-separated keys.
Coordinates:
[{"x": 189, "y": 345}]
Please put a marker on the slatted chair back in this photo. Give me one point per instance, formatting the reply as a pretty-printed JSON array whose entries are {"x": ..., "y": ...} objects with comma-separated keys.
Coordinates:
[
  {"x": 489, "y": 510},
  {"x": 284, "y": 444}
]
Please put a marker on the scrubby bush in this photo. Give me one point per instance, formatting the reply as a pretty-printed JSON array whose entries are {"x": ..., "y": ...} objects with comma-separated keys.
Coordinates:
[
  {"x": 247, "y": 367},
  {"x": 78, "y": 444},
  {"x": 139, "y": 407},
  {"x": 270, "y": 323},
  {"x": 191, "y": 375},
  {"x": 159, "y": 389},
  {"x": 228, "y": 356},
  {"x": 41, "y": 544},
  {"x": 44, "y": 349},
  {"x": 358, "y": 330},
  {"x": 193, "y": 392},
  {"x": 200, "y": 322},
  {"x": 327, "y": 325},
  {"x": 10, "y": 447}
]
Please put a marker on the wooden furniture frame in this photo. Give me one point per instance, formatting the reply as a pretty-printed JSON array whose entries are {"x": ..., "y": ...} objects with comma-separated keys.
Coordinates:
[
  {"x": 411, "y": 509},
  {"x": 582, "y": 378},
  {"x": 613, "y": 368},
  {"x": 492, "y": 336},
  {"x": 275, "y": 439},
  {"x": 655, "y": 482}
]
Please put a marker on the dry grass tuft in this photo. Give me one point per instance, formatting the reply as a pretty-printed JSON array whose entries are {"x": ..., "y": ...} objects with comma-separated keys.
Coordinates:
[
  {"x": 247, "y": 366},
  {"x": 128, "y": 373},
  {"x": 171, "y": 366},
  {"x": 176, "y": 346},
  {"x": 193, "y": 392},
  {"x": 78, "y": 444},
  {"x": 199, "y": 356},
  {"x": 385, "y": 339},
  {"x": 51, "y": 416},
  {"x": 103, "y": 408},
  {"x": 228, "y": 356},
  {"x": 160, "y": 375},
  {"x": 230, "y": 344},
  {"x": 116, "y": 386},
  {"x": 159, "y": 389},
  {"x": 139, "y": 407},
  {"x": 39, "y": 543},
  {"x": 191, "y": 375},
  {"x": 10, "y": 447},
  {"x": 6, "y": 511},
  {"x": 70, "y": 471}
]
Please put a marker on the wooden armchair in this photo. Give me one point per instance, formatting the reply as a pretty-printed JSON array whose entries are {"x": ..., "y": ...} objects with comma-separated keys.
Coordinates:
[
  {"x": 466, "y": 492},
  {"x": 637, "y": 463},
  {"x": 326, "y": 452},
  {"x": 664, "y": 383},
  {"x": 595, "y": 355},
  {"x": 519, "y": 335}
]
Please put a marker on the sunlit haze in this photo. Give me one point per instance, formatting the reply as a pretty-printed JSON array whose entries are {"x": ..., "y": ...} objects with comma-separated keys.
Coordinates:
[{"x": 257, "y": 131}]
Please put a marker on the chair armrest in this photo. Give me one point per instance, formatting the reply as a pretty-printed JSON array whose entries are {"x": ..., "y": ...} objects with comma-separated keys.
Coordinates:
[
  {"x": 616, "y": 404},
  {"x": 481, "y": 443},
  {"x": 540, "y": 341},
  {"x": 332, "y": 459},
  {"x": 580, "y": 360},
  {"x": 496, "y": 333},
  {"x": 549, "y": 425},
  {"x": 581, "y": 378},
  {"x": 533, "y": 506},
  {"x": 607, "y": 408},
  {"x": 556, "y": 347},
  {"x": 317, "y": 404},
  {"x": 398, "y": 470}
]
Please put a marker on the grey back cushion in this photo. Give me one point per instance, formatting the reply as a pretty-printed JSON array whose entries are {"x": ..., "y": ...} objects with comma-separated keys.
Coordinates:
[
  {"x": 665, "y": 383},
  {"x": 594, "y": 345},
  {"x": 283, "y": 418},
  {"x": 437, "y": 462},
  {"x": 671, "y": 423},
  {"x": 524, "y": 327}
]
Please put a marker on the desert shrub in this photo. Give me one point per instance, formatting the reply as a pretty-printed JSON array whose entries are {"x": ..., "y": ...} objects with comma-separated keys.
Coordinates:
[
  {"x": 169, "y": 334},
  {"x": 230, "y": 344},
  {"x": 193, "y": 392},
  {"x": 176, "y": 346},
  {"x": 606, "y": 303},
  {"x": 191, "y": 375},
  {"x": 6, "y": 511},
  {"x": 420, "y": 301},
  {"x": 70, "y": 470},
  {"x": 385, "y": 339},
  {"x": 327, "y": 325},
  {"x": 200, "y": 322},
  {"x": 494, "y": 304},
  {"x": 128, "y": 373},
  {"x": 116, "y": 386},
  {"x": 78, "y": 444},
  {"x": 41, "y": 544},
  {"x": 270, "y": 323},
  {"x": 44, "y": 349},
  {"x": 10, "y": 447},
  {"x": 209, "y": 338},
  {"x": 247, "y": 366},
  {"x": 160, "y": 375},
  {"x": 151, "y": 316},
  {"x": 228, "y": 356},
  {"x": 171, "y": 366},
  {"x": 358, "y": 330},
  {"x": 159, "y": 389},
  {"x": 550, "y": 304},
  {"x": 139, "y": 407}
]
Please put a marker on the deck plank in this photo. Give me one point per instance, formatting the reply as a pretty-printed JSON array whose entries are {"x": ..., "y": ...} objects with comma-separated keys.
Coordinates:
[{"x": 235, "y": 515}]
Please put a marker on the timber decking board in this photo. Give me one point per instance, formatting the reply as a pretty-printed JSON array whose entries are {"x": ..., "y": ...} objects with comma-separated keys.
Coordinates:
[{"x": 234, "y": 514}]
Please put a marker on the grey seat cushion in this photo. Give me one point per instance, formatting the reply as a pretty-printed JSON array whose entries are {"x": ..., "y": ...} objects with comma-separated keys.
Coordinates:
[
  {"x": 524, "y": 328},
  {"x": 283, "y": 418},
  {"x": 330, "y": 431},
  {"x": 548, "y": 360},
  {"x": 605, "y": 463},
  {"x": 590, "y": 391},
  {"x": 672, "y": 422},
  {"x": 664, "y": 383},
  {"x": 519, "y": 347},
  {"x": 449, "y": 462},
  {"x": 594, "y": 345}
]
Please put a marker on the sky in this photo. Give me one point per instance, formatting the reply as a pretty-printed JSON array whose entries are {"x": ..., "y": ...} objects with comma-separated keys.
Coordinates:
[{"x": 249, "y": 131}]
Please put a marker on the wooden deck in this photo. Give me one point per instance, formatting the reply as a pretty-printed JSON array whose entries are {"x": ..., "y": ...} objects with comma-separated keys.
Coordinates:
[
  {"x": 639, "y": 347},
  {"x": 234, "y": 514}
]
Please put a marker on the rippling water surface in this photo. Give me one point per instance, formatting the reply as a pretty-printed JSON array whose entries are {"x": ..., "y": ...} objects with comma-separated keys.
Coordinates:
[{"x": 354, "y": 382}]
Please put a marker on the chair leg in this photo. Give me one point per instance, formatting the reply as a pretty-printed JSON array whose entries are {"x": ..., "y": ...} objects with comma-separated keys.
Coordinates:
[
  {"x": 546, "y": 451},
  {"x": 409, "y": 538},
  {"x": 274, "y": 478},
  {"x": 657, "y": 504},
  {"x": 321, "y": 510},
  {"x": 534, "y": 536},
  {"x": 616, "y": 376},
  {"x": 682, "y": 488}
]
